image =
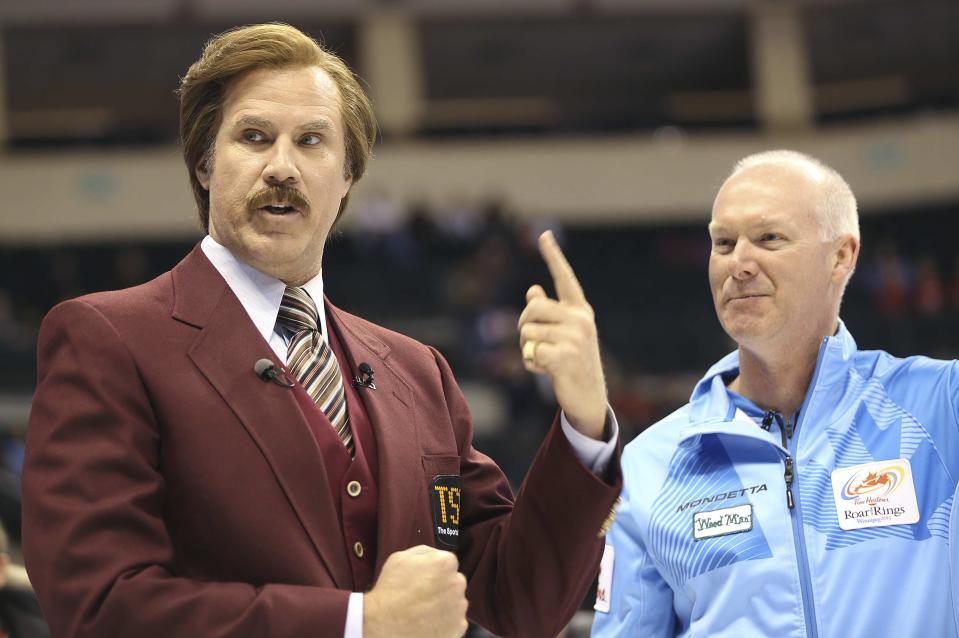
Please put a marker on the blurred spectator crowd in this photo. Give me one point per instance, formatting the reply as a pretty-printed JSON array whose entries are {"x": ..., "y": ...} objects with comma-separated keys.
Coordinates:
[{"x": 455, "y": 276}]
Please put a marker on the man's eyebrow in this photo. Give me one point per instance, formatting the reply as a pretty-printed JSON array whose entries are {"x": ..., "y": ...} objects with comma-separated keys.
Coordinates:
[
  {"x": 260, "y": 122},
  {"x": 255, "y": 121},
  {"x": 752, "y": 226},
  {"x": 316, "y": 125}
]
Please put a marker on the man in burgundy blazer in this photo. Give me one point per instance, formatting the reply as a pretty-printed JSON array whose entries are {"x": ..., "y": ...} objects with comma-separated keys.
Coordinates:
[{"x": 171, "y": 490}]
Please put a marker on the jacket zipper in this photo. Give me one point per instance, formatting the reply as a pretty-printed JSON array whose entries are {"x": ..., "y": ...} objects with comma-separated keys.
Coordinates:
[{"x": 786, "y": 431}]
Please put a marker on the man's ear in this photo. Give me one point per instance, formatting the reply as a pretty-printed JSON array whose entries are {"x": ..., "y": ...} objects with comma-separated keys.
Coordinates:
[
  {"x": 202, "y": 173},
  {"x": 846, "y": 255},
  {"x": 349, "y": 186}
]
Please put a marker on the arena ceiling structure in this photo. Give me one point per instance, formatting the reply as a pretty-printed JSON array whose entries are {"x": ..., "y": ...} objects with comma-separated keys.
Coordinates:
[
  {"x": 642, "y": 102},
  {"x": 102, "y": 72}
]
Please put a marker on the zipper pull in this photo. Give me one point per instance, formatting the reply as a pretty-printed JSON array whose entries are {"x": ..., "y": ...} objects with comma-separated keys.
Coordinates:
[
  {"x": 788, "y": 475},
  {"x": 784, "y": 428},
  {"x": 767, "y": 421}
]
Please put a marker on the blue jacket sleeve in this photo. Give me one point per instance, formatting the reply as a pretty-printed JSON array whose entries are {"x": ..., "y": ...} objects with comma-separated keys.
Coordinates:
[
  {"x": 641, "y": 602},
  {"x": 954, "y": 390},
  {"x": 954, "y": 553}
]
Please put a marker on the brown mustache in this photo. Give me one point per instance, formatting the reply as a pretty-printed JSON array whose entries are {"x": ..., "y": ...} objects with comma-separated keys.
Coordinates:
[{"x": 276, "y": 195}]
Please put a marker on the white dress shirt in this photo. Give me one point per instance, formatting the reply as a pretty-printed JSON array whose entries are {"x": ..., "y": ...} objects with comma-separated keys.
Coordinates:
[{"x": 260, "y": 295}]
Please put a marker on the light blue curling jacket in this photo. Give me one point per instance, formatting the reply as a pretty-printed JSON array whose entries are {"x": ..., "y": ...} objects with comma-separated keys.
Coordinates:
[{"x": 795, "y": 573}]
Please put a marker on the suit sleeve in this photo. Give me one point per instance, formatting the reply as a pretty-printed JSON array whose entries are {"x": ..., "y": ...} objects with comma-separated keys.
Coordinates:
[
  {"x": 94, "y": 538},
  {"x": 641, "y": 603},
  {"x": 529, "y": 564}
]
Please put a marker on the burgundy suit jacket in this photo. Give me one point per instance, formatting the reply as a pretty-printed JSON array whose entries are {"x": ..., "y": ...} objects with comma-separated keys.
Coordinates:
[{"x": 169, "y": 492}]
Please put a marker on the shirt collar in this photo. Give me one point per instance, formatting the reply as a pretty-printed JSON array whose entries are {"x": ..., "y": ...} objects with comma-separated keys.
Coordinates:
[{"x": 259, "y": 293}]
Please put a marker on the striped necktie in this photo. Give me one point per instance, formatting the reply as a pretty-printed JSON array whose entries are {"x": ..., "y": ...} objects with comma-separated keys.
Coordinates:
[{"x": 311, "y": 360}]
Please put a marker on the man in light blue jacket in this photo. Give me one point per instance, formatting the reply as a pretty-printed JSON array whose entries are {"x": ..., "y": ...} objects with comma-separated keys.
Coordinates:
[{"x": 808, "y": 488}]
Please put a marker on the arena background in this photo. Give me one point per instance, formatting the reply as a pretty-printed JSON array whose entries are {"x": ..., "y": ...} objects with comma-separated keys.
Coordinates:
[{"x": 611, "y": 121}]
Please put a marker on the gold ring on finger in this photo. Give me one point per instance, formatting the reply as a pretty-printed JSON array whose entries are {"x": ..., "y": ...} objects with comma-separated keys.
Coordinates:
[{"x": 529, "y": 352}]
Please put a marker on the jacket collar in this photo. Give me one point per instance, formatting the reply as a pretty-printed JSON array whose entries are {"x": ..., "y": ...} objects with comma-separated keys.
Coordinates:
[
  {"x": 710, "y": 402},
  {"x": 197, "y": 289}
]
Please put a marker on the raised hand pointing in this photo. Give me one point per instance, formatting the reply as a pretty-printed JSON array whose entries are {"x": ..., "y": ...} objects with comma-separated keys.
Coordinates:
[{"x": 558, "y": 338}]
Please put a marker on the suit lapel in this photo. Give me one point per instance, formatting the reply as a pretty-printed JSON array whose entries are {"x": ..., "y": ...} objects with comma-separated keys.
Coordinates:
[
  {"x": 390, "y": 410},
  {"x": 225, "y": 350}
]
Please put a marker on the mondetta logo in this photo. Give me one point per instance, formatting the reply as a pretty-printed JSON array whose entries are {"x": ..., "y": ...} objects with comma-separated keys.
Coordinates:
[{"x": 873, "y": 484}]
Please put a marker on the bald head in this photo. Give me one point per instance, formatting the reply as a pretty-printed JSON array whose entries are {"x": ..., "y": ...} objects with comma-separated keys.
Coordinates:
[
  {"x": 784, "y": 226},
  {"x": 831, "y": 197}
]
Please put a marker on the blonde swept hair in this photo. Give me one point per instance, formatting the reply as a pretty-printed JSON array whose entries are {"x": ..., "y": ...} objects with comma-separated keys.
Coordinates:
[{"x": 242, "y": 49}]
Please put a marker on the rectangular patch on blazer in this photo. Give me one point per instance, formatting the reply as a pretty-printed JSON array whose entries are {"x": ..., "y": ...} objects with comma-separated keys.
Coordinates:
[{"x": 445, "y": 496}]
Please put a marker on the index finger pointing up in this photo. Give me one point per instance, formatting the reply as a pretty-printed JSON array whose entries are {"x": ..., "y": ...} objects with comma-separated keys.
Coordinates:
[{"x": 564, "y": 279}]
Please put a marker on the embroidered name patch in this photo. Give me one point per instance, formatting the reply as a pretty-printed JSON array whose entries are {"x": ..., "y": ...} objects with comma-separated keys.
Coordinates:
[
  {"x": 875, "y": 495},
  {"x": 729, "y": 520},
  {"x": 445, "y": 497}
]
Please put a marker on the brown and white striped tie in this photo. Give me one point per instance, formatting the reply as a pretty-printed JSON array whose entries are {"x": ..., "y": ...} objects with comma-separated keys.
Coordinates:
[{"x": 313, "y": 362}]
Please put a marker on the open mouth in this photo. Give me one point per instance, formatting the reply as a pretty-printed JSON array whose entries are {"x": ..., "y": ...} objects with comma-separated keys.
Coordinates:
[
  {"x": 279, "y": 201},
  {"x": 278, "y": 209}
]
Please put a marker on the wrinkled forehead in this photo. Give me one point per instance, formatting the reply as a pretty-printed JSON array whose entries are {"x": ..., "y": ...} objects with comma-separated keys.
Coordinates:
[{"x": 768, "y": 193}]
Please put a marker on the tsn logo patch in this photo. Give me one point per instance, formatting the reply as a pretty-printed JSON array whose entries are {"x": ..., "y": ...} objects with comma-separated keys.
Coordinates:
[{"x": 445, "y": 496}]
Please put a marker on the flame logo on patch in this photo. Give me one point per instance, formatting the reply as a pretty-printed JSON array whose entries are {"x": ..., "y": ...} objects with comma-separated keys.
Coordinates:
[{"x": 874, "y": 483}]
